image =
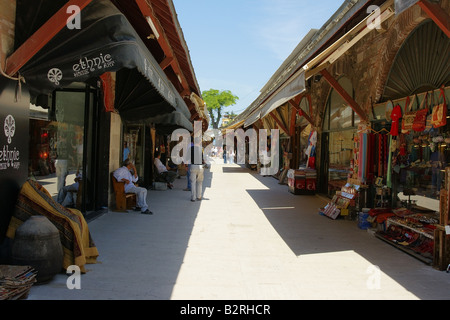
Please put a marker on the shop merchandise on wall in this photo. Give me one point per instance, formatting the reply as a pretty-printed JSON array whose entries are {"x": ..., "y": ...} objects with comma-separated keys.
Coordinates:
[{"x": 416, "y": 165}]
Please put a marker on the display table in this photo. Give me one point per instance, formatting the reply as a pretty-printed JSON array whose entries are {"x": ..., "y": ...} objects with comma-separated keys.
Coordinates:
[
  {"x": 302, "y": 181},
  {"x": 412, "y": 233}
]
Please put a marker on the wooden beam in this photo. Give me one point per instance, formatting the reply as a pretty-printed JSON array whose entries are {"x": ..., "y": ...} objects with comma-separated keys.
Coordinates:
[
  {"x": 280, "y": 124},
  {"x": 295, "y": 103},
  {"x": 41, "y": 37},
  {"x": 185, "y": 92},
  {"x": 308, "y": 118},
  {"x": 344, "y": 94},
  {"x": 261, "y": 124},
  {"x": 147, "y": 11},
  {"x": 166, "y": 62},
  {"x": 293, "y": 120},
  {"x": 108, "y": 91},
  {"x": 437, "y": 14}
]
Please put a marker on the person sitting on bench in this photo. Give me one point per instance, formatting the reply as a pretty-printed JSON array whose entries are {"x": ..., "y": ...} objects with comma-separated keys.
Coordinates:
[
  {"x": 123, "y": 174},
  {"x": 167, "y": 175},
  {"x": 67, "y": 195}
]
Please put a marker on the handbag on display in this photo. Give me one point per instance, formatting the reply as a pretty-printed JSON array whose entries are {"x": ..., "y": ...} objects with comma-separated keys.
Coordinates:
[
  {"x": 420, "y": 121},
  {"x": 439, "y": 114},
  {"x": 409, "y": 116}
]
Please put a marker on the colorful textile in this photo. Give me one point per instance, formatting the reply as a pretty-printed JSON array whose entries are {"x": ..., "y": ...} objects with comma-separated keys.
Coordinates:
[
  {"x": 362, "y": 157},
  {"x": 395, "y": 117},
  {"x": 78, "y": 246}
]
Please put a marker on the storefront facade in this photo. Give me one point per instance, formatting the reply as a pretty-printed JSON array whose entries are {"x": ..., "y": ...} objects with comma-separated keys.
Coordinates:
[{"x": 93, "y": 88}]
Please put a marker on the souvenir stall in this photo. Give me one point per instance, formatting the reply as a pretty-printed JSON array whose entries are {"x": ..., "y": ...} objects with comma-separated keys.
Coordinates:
[
  {"x": 399, "y": 183},
  {"x": 351, "y": 198},
  {"x": 410, "y": 208},
  {"x": 304, "y": 180}
]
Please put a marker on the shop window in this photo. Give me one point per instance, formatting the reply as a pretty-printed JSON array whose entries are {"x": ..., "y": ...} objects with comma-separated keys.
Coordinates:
[
  {"x": 339, "y": 115},
  {"x": 56, "y": 148},
  {"x": 305, "y": 131},
  {"x": 339, "y": 126},
  {"x": 304, "y": 136},
  {"x": 134, "y": 151},
  {"x": 340, "y": 155},
  {"x": 57, "y": 137},
  {"x": 420, "y": 158}
]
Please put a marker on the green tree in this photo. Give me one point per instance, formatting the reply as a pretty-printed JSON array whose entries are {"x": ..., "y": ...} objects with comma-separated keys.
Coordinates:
[{"x": 216, "y": 101}]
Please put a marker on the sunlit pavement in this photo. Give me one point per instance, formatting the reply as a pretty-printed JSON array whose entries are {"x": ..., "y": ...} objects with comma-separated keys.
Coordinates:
[{"x": 249, "y": 239}]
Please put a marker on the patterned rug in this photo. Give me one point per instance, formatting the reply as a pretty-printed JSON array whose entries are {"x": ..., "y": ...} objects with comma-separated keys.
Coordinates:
[{"x": 78, "y": 246}]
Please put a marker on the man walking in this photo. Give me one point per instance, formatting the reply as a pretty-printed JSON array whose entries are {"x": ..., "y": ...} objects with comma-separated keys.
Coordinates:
[
  {"x": 196, "y": 173},
  {"x": 123, "y": 174}
]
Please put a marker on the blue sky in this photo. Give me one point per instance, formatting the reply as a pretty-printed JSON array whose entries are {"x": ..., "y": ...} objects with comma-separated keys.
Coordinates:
[{"x": 238, "y": 45}]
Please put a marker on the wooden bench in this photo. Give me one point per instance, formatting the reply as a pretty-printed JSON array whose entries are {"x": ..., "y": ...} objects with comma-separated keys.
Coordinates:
[{"x": 124, "y": 201}]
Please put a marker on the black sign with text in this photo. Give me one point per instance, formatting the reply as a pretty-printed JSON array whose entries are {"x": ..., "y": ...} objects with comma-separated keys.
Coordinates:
[{"x": 14, "y": 133}]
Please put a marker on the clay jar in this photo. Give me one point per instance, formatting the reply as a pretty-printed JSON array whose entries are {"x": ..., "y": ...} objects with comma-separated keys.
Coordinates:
[{"x": 37, "y": 244}]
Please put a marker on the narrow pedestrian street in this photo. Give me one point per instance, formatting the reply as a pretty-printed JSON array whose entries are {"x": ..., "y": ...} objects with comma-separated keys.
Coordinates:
[{"x": 249, "y": 239}]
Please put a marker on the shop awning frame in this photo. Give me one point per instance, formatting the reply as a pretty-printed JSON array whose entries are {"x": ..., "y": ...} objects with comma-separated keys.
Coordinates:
[
  {"x": 106, "y": 36},
  {"x": 40, "y": 38},
  {"x": 311, "y": 67}
]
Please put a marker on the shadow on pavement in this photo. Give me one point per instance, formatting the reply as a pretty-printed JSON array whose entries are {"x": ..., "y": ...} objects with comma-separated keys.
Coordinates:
[{"x": 296, "y": 219}]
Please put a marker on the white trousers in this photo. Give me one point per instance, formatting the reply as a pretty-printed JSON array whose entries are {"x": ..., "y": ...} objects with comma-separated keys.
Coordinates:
[
  {"x": 141, "y": 197},
  {"x": 196, "y": 177}
]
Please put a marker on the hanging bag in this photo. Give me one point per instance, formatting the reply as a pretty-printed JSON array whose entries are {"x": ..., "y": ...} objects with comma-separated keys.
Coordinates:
[
  {"x": 439, "y": 115},
  {"x": 420, "y": 121},
  {"x": 409, "y": 116}
]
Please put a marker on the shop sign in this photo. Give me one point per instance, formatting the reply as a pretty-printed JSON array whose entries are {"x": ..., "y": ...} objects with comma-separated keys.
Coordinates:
[
  {"x": 14, "y": 119},
  {"x": 83, "y": 67},
  {"x": 402, "y": 5},
  {"x": 87, "y": 65}
]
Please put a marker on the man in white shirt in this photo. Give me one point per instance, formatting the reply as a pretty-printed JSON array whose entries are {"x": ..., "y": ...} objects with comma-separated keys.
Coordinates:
[
  {"x": 168, "y": 176},
  {"x": 196, "y": 175},
  {"x": 123, "y": 174}
]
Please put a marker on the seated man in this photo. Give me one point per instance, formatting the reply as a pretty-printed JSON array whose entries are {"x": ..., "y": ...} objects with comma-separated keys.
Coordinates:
[
  {"x": 123, "y": 174},
  {"x": 168, "y": 176},
  {"x": 67, "y": 195}
]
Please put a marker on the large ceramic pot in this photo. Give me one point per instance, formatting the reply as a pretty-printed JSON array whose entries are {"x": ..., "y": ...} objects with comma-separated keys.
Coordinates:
[{"x": 37, "y": 244}]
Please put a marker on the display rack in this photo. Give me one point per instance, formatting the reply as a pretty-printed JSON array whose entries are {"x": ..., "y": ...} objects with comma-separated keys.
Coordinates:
[{"x": 302, "y": 181}]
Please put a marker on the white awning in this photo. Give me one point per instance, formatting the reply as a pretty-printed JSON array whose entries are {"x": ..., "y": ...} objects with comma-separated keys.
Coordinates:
[
  {"x": 288, "y": 91},
  {"x": 255, "y": 116}
]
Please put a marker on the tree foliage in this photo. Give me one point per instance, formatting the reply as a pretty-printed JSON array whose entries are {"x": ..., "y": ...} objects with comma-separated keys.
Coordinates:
[{"x": 216, "y": 101}]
